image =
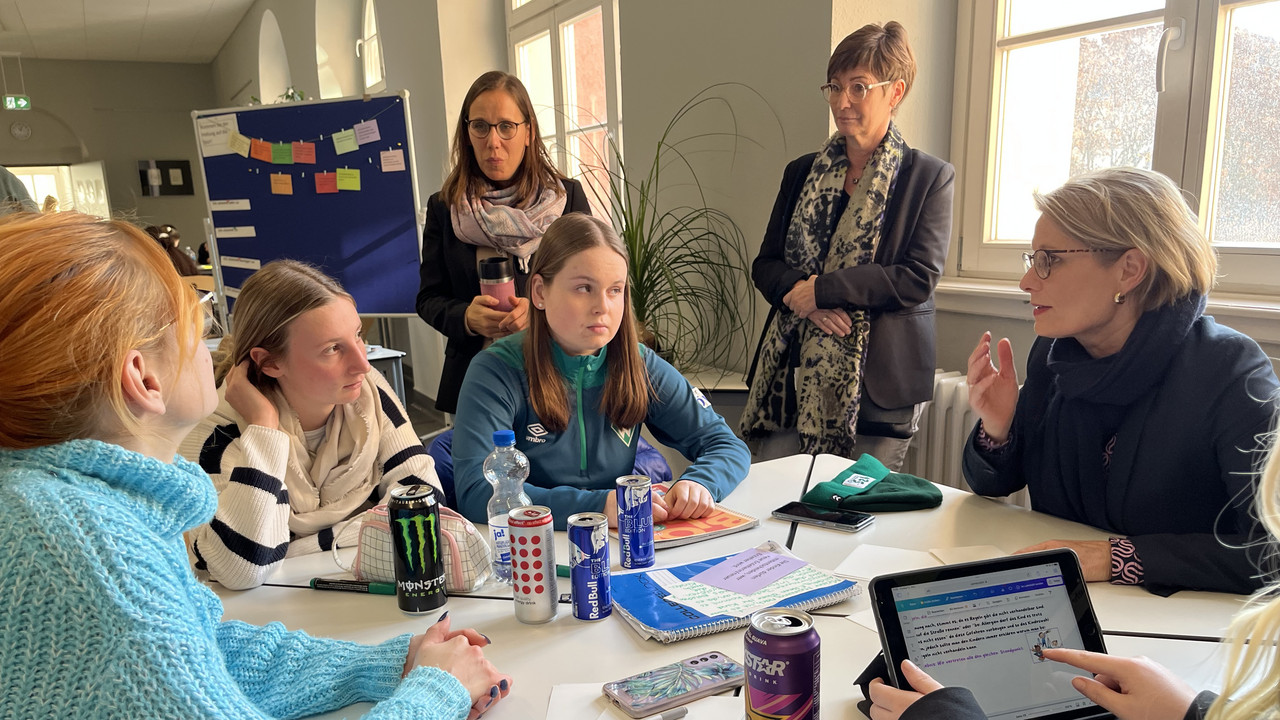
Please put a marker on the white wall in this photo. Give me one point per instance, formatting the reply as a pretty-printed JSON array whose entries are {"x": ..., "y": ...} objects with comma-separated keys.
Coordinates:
[
  {"x": 337, "y": 23},
  {"x": 235, "y": 69},
  {"x": 118, "y": 113}
]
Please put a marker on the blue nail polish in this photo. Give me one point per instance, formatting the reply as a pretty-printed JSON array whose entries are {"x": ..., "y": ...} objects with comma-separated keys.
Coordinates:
[
  {"x": 486, "y": 639},
  {"x": 442, "y": 617},
  {"x": 504, "y": 685},
  {"x": 493, "y": 691}
]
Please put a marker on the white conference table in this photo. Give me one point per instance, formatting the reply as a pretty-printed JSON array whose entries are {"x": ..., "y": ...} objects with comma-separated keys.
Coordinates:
[{"x": 566, "y": 650}]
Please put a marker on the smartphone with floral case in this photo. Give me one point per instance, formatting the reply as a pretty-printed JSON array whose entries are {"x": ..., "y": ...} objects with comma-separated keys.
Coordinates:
[{"x": 669, "y": 686}]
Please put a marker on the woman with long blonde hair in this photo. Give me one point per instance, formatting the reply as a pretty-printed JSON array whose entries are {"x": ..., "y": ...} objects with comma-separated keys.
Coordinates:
[
  {"x": 576, "y": 386},
  {"x": 102, "y": 373},
  {"x": 306, "y": 434}
]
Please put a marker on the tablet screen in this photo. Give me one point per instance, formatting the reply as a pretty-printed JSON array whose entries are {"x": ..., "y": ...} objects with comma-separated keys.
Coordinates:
[{"x": 983, "y": 626}]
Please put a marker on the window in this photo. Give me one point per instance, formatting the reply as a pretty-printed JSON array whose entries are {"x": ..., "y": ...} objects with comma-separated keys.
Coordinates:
[
  {"x": 369, "y": 49},
  {"x": 1056, "y": 89},
  {"x": 566, "y": 55}
]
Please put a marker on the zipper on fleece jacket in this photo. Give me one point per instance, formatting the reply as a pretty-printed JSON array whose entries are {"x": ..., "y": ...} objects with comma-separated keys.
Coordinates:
[{"x": 582, "y": 427}]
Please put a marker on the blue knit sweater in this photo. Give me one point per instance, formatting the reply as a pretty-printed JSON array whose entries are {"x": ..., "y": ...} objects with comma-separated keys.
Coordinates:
[{"x": 101, "y": 617}]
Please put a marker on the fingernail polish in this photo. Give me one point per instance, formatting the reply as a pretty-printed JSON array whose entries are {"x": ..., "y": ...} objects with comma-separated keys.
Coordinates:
[
  {"x": 486, "y": 638},
  {"x": 442, "y": 617},
  {"x": 493, "y": 691},
  {"x": 504, "y": 685}
]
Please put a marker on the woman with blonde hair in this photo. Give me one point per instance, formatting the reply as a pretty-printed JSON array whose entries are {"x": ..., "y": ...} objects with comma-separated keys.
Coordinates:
[
  {"x": 1140, "y": 415},
  {"x": 500, "y": 196},
  {"x": 1138, "y": 688},
  {"x": 576, "y": 386},
  {"x": 102, "y": 373},
  {"x": 306, "y": 434}
]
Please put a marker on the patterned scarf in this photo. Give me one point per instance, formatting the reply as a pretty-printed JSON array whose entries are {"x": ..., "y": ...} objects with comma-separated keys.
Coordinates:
[
  {"x": 828, "y": 376},
  {"x": 493, "y": 220}
]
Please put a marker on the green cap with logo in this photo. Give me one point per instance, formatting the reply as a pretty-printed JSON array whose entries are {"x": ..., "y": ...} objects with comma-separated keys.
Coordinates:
[{"x": 869, "y": 486}]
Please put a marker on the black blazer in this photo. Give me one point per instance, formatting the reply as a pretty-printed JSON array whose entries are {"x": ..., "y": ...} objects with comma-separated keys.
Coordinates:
[
  {"x": 897, "y": 288},
  {"x": 448, "y": 281}
]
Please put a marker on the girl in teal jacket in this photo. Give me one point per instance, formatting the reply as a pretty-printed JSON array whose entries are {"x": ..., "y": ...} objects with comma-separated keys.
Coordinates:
[{"x": 576, "y": 386}]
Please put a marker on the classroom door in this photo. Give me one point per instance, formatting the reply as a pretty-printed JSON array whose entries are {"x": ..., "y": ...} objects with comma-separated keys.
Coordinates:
[{"x": 90, "y": 185}]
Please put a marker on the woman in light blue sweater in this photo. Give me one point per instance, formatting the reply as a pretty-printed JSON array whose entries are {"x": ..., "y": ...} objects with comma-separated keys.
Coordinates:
[{"x": 102, "y": 373}]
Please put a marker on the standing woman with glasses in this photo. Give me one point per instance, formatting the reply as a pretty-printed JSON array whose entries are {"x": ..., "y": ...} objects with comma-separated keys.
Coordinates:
[
  {"x": 501, "y": 195},
  {"x": 849, "y": 263},
  {"x": 1140, "y": 415}
]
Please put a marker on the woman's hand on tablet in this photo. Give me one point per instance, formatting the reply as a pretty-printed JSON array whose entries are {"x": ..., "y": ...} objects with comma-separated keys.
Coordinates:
[
  {"x": 888, "y": 703},
  {"x": 1132, "y": 688},
  {"x": 1095, "y": 556}
]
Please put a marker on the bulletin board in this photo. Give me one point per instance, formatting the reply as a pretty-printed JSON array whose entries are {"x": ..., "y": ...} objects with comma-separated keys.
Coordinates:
[{"x": 328, "y": 182}]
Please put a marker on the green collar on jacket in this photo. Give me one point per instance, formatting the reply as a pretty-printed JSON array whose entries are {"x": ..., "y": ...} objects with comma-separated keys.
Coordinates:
[{"x": 591, "y": 369}]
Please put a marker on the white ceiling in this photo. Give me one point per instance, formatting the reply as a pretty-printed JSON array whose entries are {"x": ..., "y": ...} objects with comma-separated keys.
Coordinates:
[{"x": 177, "y": 31}]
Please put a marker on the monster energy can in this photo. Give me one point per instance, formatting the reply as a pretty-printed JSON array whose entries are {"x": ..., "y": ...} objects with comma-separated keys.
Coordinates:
[{"x": 414, "y": 514}]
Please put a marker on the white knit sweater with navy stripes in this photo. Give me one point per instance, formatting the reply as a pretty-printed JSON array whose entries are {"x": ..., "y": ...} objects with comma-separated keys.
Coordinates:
[{"x": 249, "y": 535}]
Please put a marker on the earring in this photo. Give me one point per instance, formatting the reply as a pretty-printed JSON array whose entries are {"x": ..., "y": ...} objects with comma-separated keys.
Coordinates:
[
  {"x": 1120, "y": 298},
  {"x": 538, "y": 305}
]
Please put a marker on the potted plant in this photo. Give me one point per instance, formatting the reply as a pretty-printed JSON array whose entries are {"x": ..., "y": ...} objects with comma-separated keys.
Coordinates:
[{"x": 690, "y": 276}]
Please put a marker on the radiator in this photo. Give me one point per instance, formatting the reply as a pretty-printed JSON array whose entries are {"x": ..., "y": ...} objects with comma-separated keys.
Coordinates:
[{"x": 945, "y": 424}]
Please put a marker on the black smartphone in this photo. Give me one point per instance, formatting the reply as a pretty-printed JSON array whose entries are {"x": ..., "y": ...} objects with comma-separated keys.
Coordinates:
[{"x": 845, "y": 520}]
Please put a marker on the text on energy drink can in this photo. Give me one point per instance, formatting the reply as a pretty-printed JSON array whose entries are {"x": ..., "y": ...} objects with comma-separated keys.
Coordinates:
[
  {"x": 589, "y": 565},
  {"x": 533, "y": 563},
  {"x": 781, "y": 656},
  {"x": 413, "y": 513},
  {"x": 635, "y": 521}
]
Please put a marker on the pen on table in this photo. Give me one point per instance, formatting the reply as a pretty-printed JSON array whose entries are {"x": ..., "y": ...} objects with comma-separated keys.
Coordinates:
[
  {"x": 674, "y": 714},
  {"x": 360, "y": 586}
]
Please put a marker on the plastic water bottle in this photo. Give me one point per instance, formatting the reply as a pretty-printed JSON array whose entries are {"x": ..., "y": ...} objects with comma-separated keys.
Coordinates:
[{"x": 506, "y": 469}]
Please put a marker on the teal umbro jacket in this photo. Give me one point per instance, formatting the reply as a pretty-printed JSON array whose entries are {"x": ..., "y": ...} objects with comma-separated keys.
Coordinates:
[{"x": 574, "y": 471}]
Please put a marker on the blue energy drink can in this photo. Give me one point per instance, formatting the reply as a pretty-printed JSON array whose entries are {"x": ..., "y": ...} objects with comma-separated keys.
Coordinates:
[
  {"x": 589, "y": 566},
  {"x": 413, "y": 513},
  {"x": 635, "y": 521}
]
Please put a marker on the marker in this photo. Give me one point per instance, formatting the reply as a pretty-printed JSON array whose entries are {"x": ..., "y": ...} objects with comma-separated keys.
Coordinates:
[
  {"x": 675, "y": 714},
  {"x": 562, "y": 571},
  {"x": 360, "y": 586}
]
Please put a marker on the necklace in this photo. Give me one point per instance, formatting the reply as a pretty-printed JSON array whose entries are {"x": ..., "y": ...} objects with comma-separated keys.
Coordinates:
[{"x": 856, "y": 180}]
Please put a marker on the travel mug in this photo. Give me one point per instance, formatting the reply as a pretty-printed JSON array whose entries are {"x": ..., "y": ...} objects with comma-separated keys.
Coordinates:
[{"x": 498, "y": 281}]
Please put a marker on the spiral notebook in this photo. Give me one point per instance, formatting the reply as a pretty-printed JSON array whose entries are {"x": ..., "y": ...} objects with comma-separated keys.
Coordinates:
[{"x": 644, "y": 601}]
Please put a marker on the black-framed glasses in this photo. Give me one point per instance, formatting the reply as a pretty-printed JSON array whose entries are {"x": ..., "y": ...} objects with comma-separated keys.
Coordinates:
[
  {"x": 857, "y": 92},
  {"x": 479, "y": 129},
  {"x": 1042, "y": 260}
]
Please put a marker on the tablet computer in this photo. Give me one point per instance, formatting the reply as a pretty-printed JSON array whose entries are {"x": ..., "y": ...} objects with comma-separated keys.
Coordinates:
[{"x": 983, "y": 625}]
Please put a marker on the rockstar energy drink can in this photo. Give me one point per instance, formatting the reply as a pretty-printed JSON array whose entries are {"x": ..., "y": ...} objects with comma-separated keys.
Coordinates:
[{"x": 414, "y": 516}]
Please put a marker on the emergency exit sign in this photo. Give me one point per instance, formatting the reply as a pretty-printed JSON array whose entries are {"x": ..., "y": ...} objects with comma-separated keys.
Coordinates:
[{"x": 17, "y": 102}]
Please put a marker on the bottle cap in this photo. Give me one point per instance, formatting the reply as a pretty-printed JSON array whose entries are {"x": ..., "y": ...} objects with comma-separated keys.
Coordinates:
[
  {"x": 504, "y": 438},
  {"x": 495, "y": 270}
]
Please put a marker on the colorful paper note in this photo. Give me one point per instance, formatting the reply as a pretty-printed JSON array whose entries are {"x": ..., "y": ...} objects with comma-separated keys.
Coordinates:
[
  {"x": 260, "y": 150},
  {"x": 348, "y": 179},
  {"x": 749, "y": 571},
  {"x": 326, "y": 182},
  {"x": 367, "y": 132},
  {"x": 282, "y": 153},
  {"x": 304, "y": 152},
  {"x": 281, "y": 184},
  {"x": 345, "y": 142},
  {"x": 238, "y": 143},
  {"x": 392, "y": 160}
]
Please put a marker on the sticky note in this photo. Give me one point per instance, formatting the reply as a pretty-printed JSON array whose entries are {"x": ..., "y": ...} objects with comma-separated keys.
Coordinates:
[
  {"x": 238, "y": 143},
  {"x": 326, "y": 182},
  {"x": 282, "y": 153},
  {"x": 392, "y": 160},
  {"x": 304, "y": 152},
  {"x": 367, "y": 132},
  {"x": 345, "y": 142},
  {"x": 348, "y": 179},
  {"x": 260, "y": 150},
  {"x": 281, "y": 184}
]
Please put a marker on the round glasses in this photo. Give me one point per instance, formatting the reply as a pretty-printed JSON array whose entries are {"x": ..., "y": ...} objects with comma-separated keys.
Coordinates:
[
  {"x": 479, "y": 129},
  {"x": 857, "y": 92},
  {"x": 1042, "y": 260}
]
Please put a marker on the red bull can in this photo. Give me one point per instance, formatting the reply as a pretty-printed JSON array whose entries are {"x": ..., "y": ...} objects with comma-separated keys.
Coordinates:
[
  {"x": 635, "y": 521},
  {"x": 782, "y": 666},
  {"x": 413, "y": 513},
  {"x": 589, "y": 565},
  {"x": 533, "y": 563}
]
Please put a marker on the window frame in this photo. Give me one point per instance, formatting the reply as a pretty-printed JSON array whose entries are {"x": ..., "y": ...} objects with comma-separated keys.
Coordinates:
[
  {"x": 371, "y": 37},
  {"x": 1185, "y": 134},
  {"x": 552, "y": 16}
]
